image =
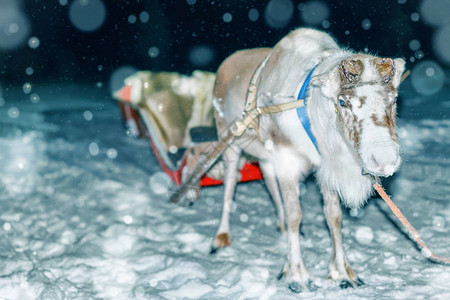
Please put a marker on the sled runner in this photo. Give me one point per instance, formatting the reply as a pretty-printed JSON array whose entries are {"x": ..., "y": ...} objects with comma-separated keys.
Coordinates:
[{"x": 176, "y": 113}]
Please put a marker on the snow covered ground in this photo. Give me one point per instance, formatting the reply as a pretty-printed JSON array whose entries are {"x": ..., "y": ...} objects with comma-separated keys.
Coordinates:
[{"x": 83, "y": 214}]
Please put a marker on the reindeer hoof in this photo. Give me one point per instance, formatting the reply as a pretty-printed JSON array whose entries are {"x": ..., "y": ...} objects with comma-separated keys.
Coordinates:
[
  {"x": 311, "y": 286},
  {"x": 359, "y": 282},
  {"x": 345, "y": 284},
  {"x": 213, "y": 250},
  {"x": 295, "y": 287}
]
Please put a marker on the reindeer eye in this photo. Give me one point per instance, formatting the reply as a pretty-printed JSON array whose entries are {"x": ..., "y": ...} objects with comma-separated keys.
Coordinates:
[
  {"x": 395, "y": 99},
  {"x": 342, "y": 103}
]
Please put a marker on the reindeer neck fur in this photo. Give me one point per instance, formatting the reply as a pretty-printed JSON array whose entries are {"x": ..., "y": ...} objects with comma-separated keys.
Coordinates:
[{"x": 340, "y": 167}]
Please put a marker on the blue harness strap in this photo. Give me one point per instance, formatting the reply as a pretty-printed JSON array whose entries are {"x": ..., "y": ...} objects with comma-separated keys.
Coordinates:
[{"x": 301, "y": 111}]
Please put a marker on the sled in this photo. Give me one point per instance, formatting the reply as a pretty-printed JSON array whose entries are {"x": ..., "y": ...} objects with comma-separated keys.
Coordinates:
[{"x": 175, "y": 112}]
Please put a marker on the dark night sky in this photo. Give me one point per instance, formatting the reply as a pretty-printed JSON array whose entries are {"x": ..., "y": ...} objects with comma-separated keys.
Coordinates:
[{"x": 176, "y": 27}]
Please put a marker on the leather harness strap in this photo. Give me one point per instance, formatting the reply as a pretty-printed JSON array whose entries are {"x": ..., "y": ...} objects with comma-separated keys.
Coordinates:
[
  {"x": 251, "y": 117},
  {"x": 250, "y": 101},
  {"x": 252, "y": 112}
]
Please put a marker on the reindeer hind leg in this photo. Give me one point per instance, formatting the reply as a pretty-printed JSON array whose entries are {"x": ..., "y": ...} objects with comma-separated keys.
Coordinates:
[{"x": 231, "y": 159}]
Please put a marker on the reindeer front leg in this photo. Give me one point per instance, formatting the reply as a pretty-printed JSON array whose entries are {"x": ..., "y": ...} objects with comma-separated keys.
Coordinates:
[
  {"x": 340, "y": 269},
  {"x": 289, "y": 171}
]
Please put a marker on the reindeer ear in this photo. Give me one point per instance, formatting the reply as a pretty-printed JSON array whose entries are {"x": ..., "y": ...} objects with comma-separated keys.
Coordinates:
[
  {"x": 350, "y": 70},
  {"x": 385, "y": 67},
  {"x": 399, "y": 69},
  {"x": 390, "y": 70}
]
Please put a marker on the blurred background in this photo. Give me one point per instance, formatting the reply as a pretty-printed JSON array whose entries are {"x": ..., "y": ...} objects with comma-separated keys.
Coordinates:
[
  {"x": 83, "y": 208},
  {"x": 100, "y": 41}
]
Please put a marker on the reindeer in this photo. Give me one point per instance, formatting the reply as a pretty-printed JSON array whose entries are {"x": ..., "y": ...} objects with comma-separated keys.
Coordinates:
[{"x": 352, "y": 111}]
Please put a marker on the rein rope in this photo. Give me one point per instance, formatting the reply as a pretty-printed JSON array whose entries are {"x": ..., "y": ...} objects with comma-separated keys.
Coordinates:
[{"x": 425, "y": 250}]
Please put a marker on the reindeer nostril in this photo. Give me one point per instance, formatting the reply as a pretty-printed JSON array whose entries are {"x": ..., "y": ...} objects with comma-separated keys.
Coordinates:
[{"x": 375, "y": 162}]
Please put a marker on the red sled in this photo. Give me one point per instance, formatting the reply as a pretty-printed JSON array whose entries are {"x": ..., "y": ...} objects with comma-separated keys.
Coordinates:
[{"x": 175, "y": 112}]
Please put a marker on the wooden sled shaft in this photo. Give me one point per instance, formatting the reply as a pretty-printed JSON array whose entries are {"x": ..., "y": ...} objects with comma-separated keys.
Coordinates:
[{"x": 203, "y": 166}]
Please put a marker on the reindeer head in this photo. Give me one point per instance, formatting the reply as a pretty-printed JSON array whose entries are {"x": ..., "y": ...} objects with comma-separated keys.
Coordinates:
[{"x": 363, "y": 90}]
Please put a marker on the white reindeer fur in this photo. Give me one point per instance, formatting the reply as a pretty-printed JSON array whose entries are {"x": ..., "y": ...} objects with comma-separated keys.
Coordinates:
[
  {"x": 292, "y": 154},
  {"x": 337, "y": 166}
]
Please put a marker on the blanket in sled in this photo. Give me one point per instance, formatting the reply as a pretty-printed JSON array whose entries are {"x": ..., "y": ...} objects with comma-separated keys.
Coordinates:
[{"x": 176, "y": 113}]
